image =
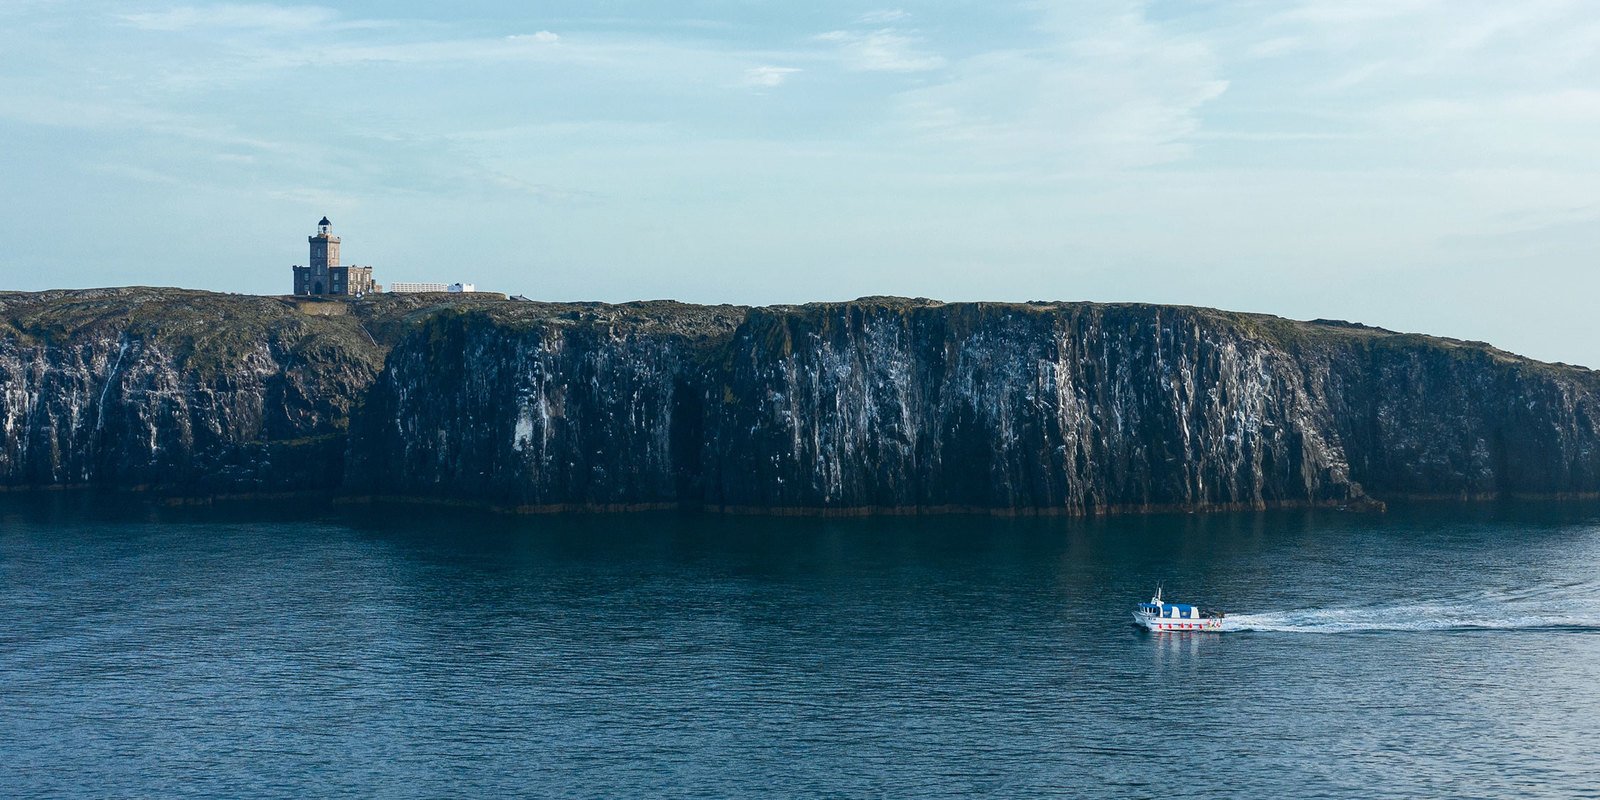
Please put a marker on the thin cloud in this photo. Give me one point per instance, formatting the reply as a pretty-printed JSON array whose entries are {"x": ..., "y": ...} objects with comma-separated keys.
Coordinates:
[
  {"x": 254, "y": 16},
  {"x": 1103, "y": 92},
  {"x": 883, "y": 16},
  {"x": 766, "y": 77},
  {"x": 1272, "y": 48},
  {"x": 132, "y": 172},
  {"x": 62, "y": 113},
  {"x": 529, "y": 48},
  {"x": 506, "y": 182},
  {"x": 882, "y": 51},
  {"x": 542, "y": 37}
]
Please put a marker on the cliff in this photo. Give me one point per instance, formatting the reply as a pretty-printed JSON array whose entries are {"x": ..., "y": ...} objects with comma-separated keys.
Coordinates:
[
  {"x": 881, "y": 404},
  {"x": 183, "y": 392},
  {"x": 540, "y": 405}
]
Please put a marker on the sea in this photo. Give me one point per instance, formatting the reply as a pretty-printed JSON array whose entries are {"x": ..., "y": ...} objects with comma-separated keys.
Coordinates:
[{"x": 289, "y": 650}]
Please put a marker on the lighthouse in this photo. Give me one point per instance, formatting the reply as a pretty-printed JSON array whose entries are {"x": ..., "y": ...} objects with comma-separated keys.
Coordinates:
[{"x": 325, "y": 276}]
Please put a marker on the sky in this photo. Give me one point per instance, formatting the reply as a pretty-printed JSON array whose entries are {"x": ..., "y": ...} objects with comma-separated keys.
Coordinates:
[{"x": 1421, "y": 165}]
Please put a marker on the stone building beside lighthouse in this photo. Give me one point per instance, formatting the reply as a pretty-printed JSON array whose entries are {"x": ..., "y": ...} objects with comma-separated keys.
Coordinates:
[{"x": 325, "y": 276}]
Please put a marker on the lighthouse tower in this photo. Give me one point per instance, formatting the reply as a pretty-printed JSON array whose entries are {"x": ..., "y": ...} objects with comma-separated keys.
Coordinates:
[{"x": 324, "y": 248}]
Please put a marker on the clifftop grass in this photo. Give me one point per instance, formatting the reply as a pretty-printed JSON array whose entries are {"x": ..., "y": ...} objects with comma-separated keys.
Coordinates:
[{"x": 207, "y": 332}]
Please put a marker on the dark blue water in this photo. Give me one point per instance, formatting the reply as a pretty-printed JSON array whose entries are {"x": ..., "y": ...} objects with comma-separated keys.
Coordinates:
[{"x": 254, "y": 652}]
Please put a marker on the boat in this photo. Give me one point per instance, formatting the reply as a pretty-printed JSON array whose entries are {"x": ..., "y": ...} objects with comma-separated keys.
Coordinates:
[{"x": 1158, "y": 615}]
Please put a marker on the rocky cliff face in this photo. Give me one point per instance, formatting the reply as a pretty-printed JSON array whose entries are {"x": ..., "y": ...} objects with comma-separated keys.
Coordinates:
[
  {"x": 184, "y": 392},
  {"x": 895, "y": 405},
  {"x": 544, "y": 406},
  {"x": 1419, "y": 416},
  {"x": 180, "y": 391},
  {"x": 875, "y": 405}
]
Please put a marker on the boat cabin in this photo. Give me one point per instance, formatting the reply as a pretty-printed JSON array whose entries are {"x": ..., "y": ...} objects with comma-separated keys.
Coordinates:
[{"x": 1173, "y": 611}]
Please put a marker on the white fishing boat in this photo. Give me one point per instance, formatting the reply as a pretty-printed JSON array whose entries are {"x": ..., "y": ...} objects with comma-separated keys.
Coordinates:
[{"x": 1158, "y": 615}]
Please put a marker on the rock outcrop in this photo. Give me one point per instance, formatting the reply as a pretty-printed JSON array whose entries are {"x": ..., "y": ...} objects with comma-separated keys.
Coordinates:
[{"x": 881, "y": 404}]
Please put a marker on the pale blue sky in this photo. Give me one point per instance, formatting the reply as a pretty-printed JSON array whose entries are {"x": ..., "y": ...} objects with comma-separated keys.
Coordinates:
[{"x": 1424, "y": 165}]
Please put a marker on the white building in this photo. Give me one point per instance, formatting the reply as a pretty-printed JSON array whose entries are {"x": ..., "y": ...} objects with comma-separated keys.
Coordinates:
[{"x": 411, "y": 288}]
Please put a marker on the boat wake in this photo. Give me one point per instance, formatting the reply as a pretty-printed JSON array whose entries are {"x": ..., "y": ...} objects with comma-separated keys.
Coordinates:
[{"x": 1555, "y": 608}]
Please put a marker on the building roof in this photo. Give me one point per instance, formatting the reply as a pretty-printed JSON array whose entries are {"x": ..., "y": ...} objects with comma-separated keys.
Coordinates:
[{"x": 324, "y": 221}]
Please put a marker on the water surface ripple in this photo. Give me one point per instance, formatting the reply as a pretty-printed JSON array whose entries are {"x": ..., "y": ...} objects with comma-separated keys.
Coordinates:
[{"x": 345, "y": 653}]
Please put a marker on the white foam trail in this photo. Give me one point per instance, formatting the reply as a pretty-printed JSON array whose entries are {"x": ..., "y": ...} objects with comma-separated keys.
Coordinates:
[{"x": 1522, "y": 610}]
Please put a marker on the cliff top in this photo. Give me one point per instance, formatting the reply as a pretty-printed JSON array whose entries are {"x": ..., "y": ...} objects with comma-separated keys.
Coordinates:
[
  {"x": 1287, "y": 333},
  {"x": 209, "y": 329}
]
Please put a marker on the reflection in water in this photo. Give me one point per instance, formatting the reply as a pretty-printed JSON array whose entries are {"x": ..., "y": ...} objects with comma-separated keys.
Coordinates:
[
  {"x": 237, "y": 651},
  {"x": 1180, "y": 645}
]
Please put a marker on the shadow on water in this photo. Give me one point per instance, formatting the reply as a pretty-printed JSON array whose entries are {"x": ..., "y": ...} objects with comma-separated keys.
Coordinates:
[
  {"x": 1242, "y": 562},
  {"x": 1157, "y": 542}
]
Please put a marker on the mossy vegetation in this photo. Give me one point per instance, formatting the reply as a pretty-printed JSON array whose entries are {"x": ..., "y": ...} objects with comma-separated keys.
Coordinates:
[{"x": 208, "y": 333}]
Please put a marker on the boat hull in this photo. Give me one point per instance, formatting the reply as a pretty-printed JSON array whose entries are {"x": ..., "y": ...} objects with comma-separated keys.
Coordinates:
[{"x": 1153, "y": 623}]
